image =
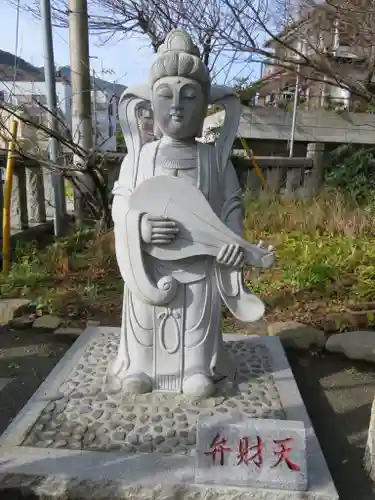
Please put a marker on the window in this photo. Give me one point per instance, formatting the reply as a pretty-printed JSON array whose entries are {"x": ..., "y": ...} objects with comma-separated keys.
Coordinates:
[
  {"x": 22, "y": 99},
  {"x": 345, "y": 35},
  {"x": 39, "y": 98},
  {"x": 2, "y": 96}
]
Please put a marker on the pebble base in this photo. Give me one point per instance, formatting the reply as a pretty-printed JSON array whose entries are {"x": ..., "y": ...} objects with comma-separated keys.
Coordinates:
[{"x": 75, "y": 440}]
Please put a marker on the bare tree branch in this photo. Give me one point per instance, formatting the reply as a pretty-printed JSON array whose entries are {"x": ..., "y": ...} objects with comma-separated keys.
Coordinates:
[
  {"x": 92, "y": 164},
  {"x": 309, "y": 41},
  {"x": 206, "y": 21}
]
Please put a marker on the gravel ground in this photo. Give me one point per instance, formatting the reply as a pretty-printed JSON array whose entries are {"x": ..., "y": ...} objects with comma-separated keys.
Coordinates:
[{"x": 338, "y": 394}]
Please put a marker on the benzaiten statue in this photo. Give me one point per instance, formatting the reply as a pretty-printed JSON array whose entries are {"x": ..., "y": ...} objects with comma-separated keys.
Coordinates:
[{"x": 178, "y": 219}]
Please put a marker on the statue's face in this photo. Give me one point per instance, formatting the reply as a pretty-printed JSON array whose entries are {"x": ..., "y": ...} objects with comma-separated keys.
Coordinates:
[{"x": 179, "y": 107}]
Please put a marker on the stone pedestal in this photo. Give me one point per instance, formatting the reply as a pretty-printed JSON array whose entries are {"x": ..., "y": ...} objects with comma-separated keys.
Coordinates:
[
  {"x": 48, "y": 194},
  {"x": 315, "y": 151},
  {"x": 35, "y": 195},
  {"x": 18, "y": 209},
  {"x": 75, "y": 440}
]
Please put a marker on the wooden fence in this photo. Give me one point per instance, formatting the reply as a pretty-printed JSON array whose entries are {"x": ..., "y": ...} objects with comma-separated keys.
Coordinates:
[
  {"x": 31, "y": 202},
  {"x": 289, "y": 177},
  {"x": 32, "y": 194}
]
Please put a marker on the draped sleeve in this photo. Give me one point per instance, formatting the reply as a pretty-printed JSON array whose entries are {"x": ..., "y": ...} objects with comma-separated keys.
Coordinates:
[
  {"x": 242, "y": 304},
  {"x": 128, "y": 245}
]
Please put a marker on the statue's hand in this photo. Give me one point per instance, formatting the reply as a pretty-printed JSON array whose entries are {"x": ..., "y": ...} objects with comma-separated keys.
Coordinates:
[
  {"x": 158, "y": 230},
  {"x": 270, "y": 248},
  {"x": 231, "y": 256}
]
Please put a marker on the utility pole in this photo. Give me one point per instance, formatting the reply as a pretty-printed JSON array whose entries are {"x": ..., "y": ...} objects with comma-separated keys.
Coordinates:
[
  {"x": 296, "y": 98},
  {"x": 81, "y": 96},
  {"x": 294, "y": 117},
  {"x": 94, "y": 108},
  {"x": 57, "y": 180},
  {"x": 95, "y": 127}
]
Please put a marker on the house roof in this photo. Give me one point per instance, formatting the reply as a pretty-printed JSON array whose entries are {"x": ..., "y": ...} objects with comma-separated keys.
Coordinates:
[
  {"x": 286, "y": 31},
  {"x": 292, "y": 27},
  {"x": 278, "y": 80},
  {"x": 275, "y": 80}
]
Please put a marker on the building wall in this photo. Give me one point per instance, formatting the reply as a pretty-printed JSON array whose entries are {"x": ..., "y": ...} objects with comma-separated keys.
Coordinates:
[
  {"x": 29, "y": 93},
  {"x": 19, "y": 92},
  {"x": 30, "y": 139},
  {"x": 323, "y": 33},
  {"x": 104, "y": 114}
]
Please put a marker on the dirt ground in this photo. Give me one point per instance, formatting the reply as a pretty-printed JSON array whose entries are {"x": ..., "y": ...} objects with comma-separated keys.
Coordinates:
[{"x": 338, "y": 394}]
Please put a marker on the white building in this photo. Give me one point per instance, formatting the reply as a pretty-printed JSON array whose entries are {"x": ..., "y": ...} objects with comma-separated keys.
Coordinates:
[{"x": 103, "y": 106}]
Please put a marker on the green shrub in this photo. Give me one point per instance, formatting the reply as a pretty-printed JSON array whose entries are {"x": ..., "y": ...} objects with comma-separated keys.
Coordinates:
[{"x": 352, "y": 169}]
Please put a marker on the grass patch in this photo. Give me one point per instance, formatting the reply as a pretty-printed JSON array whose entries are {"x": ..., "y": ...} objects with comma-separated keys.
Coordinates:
[
  {"x": 325, "y": 259},
  {"x": 75, "y": 276},
  {"x": 325, "y": 250}
]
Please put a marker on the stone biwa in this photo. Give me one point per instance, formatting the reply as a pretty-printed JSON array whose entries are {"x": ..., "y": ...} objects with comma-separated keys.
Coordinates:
[{"x": 178, "y": 218}]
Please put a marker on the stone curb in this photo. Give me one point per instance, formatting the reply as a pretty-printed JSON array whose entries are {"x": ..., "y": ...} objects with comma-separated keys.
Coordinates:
[
  {"x": 12, "y": 308},
  {"x": 47, "y": 323},
  {"x": 369, "y": 456},
  {"x": 297, "y": 335}
]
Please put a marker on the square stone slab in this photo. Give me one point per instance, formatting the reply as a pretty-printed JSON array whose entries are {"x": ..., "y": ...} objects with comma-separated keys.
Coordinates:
[
  {"x": 75, "y": 440},
  {"x": 261, "y": 453}
]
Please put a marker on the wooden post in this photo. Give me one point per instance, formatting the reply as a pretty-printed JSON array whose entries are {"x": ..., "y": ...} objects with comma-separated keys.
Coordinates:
[
  {"x": 293, "y": 180},
  {"x": 274, "y": 177},
  {"x": 315, "y": 151},
  {"x": 251, "y": 180},
  {"x": 81, "y": 101},
  {"x": 6, "y": 219},
  {"x": 2, "y": 180}
]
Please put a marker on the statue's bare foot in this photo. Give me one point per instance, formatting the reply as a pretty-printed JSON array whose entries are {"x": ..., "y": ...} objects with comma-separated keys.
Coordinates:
[
  {"x": 198, "y": 386},
  {"x": 138, "y": 383}
]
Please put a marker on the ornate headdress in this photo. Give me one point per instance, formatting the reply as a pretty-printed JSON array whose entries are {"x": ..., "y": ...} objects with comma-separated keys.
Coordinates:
[{"x": 178, "y": 56}]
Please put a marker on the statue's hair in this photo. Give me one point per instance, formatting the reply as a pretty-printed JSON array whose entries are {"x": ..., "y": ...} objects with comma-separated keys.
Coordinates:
[{"x": 178, "y": 56}]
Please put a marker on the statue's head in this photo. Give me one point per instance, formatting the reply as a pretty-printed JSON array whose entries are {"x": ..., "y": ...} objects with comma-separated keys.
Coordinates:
[{"x": 180, "y": 84}]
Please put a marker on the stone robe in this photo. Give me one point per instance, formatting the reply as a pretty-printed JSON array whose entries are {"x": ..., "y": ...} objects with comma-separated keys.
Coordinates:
[{"x": 183, "y": 337}]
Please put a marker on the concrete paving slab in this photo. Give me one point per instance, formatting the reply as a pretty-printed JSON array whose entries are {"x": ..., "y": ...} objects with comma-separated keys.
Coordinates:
[
  {"x": 4, "y": 382},
  {"x": 73, "y": 453}
]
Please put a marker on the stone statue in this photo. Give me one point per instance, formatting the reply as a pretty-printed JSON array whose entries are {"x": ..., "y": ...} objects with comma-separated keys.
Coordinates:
[{"x": 178, "y": 218}]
